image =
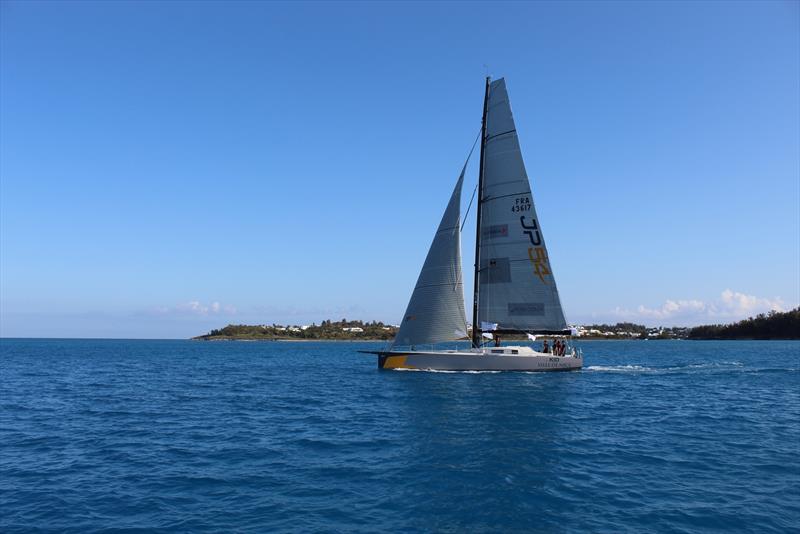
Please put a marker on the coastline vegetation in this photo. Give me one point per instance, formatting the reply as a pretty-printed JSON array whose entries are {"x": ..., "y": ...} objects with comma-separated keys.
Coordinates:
[
  {"x": 630, "y": 331},
  {"x": 773, "y": 325},
  {"x": 327, "y": 330}
]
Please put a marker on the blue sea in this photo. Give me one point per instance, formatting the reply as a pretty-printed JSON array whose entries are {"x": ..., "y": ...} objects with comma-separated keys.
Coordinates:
[{"x": 183, "y": 436}]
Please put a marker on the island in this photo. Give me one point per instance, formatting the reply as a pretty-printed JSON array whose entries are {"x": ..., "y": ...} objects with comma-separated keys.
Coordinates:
[
  {"x": 772, "y": 325},
  {"x": 343, "y": 330}
]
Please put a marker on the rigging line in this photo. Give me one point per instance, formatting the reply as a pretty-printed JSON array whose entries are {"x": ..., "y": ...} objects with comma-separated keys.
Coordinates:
[
  {"x": 471, "y": 150},
  {"x": 469, "y": 206},
  {"x": 466, "y": 213}
]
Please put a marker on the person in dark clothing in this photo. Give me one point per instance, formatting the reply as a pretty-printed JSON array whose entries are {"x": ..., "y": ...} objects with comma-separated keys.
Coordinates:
[
  {"x": 545, "y": 347},
  {"x": 496, "y": 340}
]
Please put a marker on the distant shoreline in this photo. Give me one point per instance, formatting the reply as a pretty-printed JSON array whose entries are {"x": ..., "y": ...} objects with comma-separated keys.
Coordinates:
[
  {"x": 284, "y": 340},
  {"x": 774, "y": 325},
  {"x": 504, "y": 341}
]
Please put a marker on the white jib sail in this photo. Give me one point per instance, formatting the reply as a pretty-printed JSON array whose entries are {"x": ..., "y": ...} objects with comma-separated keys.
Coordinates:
[
  {"x": 435, "y": 312},
  {"x": 516, "y": 285}
]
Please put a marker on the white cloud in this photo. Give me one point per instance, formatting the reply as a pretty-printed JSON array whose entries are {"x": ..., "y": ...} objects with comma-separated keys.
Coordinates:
[
  {"x": 195, "y": 307},
  {"x": 730, "y": 306},
  {"x": 740, "y": 303}
]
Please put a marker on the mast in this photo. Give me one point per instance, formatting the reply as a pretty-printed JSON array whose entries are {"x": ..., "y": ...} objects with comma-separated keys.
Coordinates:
[{"x": 476, "y": 333}]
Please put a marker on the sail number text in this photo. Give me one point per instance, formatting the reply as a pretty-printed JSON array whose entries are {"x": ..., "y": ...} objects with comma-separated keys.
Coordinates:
[{"x": 521, "y": 204}]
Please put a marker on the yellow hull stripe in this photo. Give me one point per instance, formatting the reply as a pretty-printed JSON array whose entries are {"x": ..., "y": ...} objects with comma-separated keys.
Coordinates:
[{"x": 397, "y": 362}]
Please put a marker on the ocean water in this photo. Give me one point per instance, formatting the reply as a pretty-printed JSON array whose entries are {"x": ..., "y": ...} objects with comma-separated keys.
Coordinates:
[{"x": 181, "y": 436}]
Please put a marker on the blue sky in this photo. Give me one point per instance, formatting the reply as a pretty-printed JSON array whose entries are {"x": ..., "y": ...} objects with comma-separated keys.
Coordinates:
[{"x": 167, "y": 168}]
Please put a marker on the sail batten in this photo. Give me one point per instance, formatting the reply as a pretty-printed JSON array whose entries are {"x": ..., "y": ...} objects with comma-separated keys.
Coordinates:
[{"x": 516, "y": 287}]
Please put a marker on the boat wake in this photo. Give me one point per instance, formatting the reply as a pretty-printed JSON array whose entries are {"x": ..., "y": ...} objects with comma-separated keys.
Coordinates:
[
  {"x": 619, "y": 368},
  {"x": 713, "y": 366},
  {"x": 716, "y": 366}
]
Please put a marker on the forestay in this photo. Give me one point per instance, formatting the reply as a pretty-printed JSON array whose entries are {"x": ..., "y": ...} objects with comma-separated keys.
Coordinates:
[
  {"x": 516, "y": 285},
  {"x": 435, "y": 312}
]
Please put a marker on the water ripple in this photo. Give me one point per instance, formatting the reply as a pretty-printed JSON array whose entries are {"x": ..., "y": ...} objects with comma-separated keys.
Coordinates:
[{"x": 208, "y": 437}]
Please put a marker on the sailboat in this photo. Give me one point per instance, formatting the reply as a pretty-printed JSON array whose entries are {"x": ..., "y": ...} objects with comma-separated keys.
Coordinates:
[{"x": 514, "y": 292}]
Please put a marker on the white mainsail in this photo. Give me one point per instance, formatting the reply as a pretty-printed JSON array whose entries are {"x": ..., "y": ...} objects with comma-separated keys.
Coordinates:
[
  {"x": 516, "y": 285},
  {"x": 435, "y": 312}
]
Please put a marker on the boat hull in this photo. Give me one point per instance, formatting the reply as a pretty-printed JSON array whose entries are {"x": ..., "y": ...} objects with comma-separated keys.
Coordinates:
[{"x": 477, "y": 361}]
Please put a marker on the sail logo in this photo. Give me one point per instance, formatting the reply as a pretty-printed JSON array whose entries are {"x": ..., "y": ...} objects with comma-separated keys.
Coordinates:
[
  {"x": 497, "y": 230},
  {"x": 532, "y": 231},
  {"x": 539, "y": 260},
  {"x": 537, "y": 253}
]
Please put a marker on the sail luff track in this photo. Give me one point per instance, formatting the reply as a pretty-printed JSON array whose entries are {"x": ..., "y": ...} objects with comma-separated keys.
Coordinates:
[{"x": 476, "y": 333}]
